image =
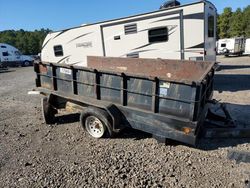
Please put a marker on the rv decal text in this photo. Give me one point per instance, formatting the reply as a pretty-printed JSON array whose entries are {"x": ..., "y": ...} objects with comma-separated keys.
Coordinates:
[{"x": 84, "y": 45}]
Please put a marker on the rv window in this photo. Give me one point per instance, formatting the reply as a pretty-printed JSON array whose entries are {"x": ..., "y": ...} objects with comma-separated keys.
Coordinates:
[
  {"x": 133, "y": 55},
  {"x": 3, "y": 47},
  {"x": 223, "y": 45},
  {"x": 130, "y": 29},
  {"x": 211, "y": 26},
  {"x": 58, "y": 50},
  {"x": 17, "y": 53},
  {"x": 158, "y": 35},
  {"x": 5, "y": 54}
]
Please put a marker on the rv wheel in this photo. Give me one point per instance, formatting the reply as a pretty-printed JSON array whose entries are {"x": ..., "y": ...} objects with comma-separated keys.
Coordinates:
[{"x": 96, "y": 122}]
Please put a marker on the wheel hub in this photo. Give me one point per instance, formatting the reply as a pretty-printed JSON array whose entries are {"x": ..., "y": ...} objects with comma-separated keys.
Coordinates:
[{"x": 94, "y": 127}]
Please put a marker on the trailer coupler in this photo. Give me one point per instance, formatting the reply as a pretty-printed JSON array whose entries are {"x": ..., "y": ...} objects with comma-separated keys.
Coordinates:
[
  {"x": 222, "y": 118},
  {"x": 219, "y": 123}
]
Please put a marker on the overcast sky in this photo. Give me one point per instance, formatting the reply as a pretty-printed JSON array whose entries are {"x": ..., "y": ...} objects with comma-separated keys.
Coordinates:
[{"x": 57, "y": 15}]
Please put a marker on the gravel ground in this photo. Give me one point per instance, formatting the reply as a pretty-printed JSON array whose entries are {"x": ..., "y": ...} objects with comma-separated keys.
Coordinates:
[{"x": 33, "y": 154}]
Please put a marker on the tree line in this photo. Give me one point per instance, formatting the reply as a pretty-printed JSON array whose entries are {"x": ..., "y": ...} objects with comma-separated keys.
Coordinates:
[
  {"x": 234, "y": 24},
  {"x": 28, "y": 42},
  {"x": 229, "y": 24}
]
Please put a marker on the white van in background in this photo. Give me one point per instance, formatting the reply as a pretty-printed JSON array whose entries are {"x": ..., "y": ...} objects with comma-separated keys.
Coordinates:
[
  {"x": 11, "y": 56},
  {"x": 231, "y": 46}
]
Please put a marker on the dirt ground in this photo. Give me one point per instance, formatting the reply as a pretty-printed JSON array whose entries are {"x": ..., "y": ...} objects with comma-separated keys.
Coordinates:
[{"x": 33, "y": 154}]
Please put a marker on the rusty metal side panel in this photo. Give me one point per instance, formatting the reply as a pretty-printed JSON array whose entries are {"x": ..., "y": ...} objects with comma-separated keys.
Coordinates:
[
  {"x": 204, "y": 93},
  {"x": 140, "y": 93},
  {"x": 174, "y": 107},
  {"x": 63, "y": 80},
  {"x": 166, "y": 98},
  {"x": 110, "y": 87},
  {"x": 160, "y": 125},
  {"x": 85, "y": 83},
  {"x": 46, "y": 81},
  {"x": 172, "y": 70}
]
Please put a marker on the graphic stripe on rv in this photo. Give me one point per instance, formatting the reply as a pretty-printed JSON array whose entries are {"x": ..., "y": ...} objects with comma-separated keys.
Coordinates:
[
  {"x": 60, "y": 61},
  {"x": 196, "y": 16},
  {"x": 64, "y": 31},
  {"x": 201, "y": 45},
  {"x": 80, "y": 37},
  {"x": 46, "y": 43},
  {"x": 138, "y": 52}
]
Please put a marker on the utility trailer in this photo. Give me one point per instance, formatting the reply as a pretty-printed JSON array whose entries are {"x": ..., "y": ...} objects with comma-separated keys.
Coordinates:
[{"x": 170, "y": 99}]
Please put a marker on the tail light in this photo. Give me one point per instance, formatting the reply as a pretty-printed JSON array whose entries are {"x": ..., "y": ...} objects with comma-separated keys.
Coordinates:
[{"x": 205, "y": 52}]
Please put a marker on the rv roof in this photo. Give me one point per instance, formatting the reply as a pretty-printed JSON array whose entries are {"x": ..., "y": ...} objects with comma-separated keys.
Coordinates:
[{"x": 161, "y": 10}]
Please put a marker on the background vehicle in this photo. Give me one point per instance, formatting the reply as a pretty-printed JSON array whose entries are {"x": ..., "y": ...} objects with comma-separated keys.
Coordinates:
[
  {"x": 167, "y": 33},
  {"x": 231, "y": 46},
  {"x": 11, "y": 56},
  {"x": 247, "y": 47},
  {"x": 2, "y": 65}
]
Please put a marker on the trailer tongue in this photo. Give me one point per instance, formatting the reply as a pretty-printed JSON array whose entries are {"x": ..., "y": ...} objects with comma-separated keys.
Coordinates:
[{"x": 171, "y": 99}]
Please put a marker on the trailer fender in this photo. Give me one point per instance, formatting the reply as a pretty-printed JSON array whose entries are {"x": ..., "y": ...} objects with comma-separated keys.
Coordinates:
[{"x": 116, "y": 117}]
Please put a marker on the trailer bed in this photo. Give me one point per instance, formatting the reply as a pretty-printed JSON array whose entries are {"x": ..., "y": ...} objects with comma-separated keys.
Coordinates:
[{"x": 167, "y": 98}]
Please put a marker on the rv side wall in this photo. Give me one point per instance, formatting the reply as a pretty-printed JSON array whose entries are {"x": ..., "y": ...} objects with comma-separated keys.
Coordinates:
[
  {"x": 76, "y": 45},
  {"x": 175, "y": 33}
]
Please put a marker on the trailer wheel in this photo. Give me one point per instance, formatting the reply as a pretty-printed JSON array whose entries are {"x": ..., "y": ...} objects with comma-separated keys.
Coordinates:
[
  {"x": 96, "y": 122},
  {"x": 48, "y": 111}
]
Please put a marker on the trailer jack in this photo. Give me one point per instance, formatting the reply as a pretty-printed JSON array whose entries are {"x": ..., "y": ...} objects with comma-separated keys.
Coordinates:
[
  {"x": 220, "y": 124},
  {"x": 216, "y": 120}
]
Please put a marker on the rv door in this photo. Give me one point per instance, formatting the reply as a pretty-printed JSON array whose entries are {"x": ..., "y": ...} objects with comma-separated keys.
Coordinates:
[{"x": 210, "y": 33}]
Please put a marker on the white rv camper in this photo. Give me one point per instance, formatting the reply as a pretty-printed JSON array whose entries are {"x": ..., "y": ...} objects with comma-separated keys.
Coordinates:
[
  {"x": 11, "y": 56},
  {"x": 231, "y": 46},
  {"x": 184, "y": 32},
  {"x": 247, "y": 47}
]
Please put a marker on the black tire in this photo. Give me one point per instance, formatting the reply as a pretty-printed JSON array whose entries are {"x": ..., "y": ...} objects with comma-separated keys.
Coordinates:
[
  {"x": 102, "y": 116},
  {"x": 26, "y": 64},
  {"x": 48, "y": 111}
]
